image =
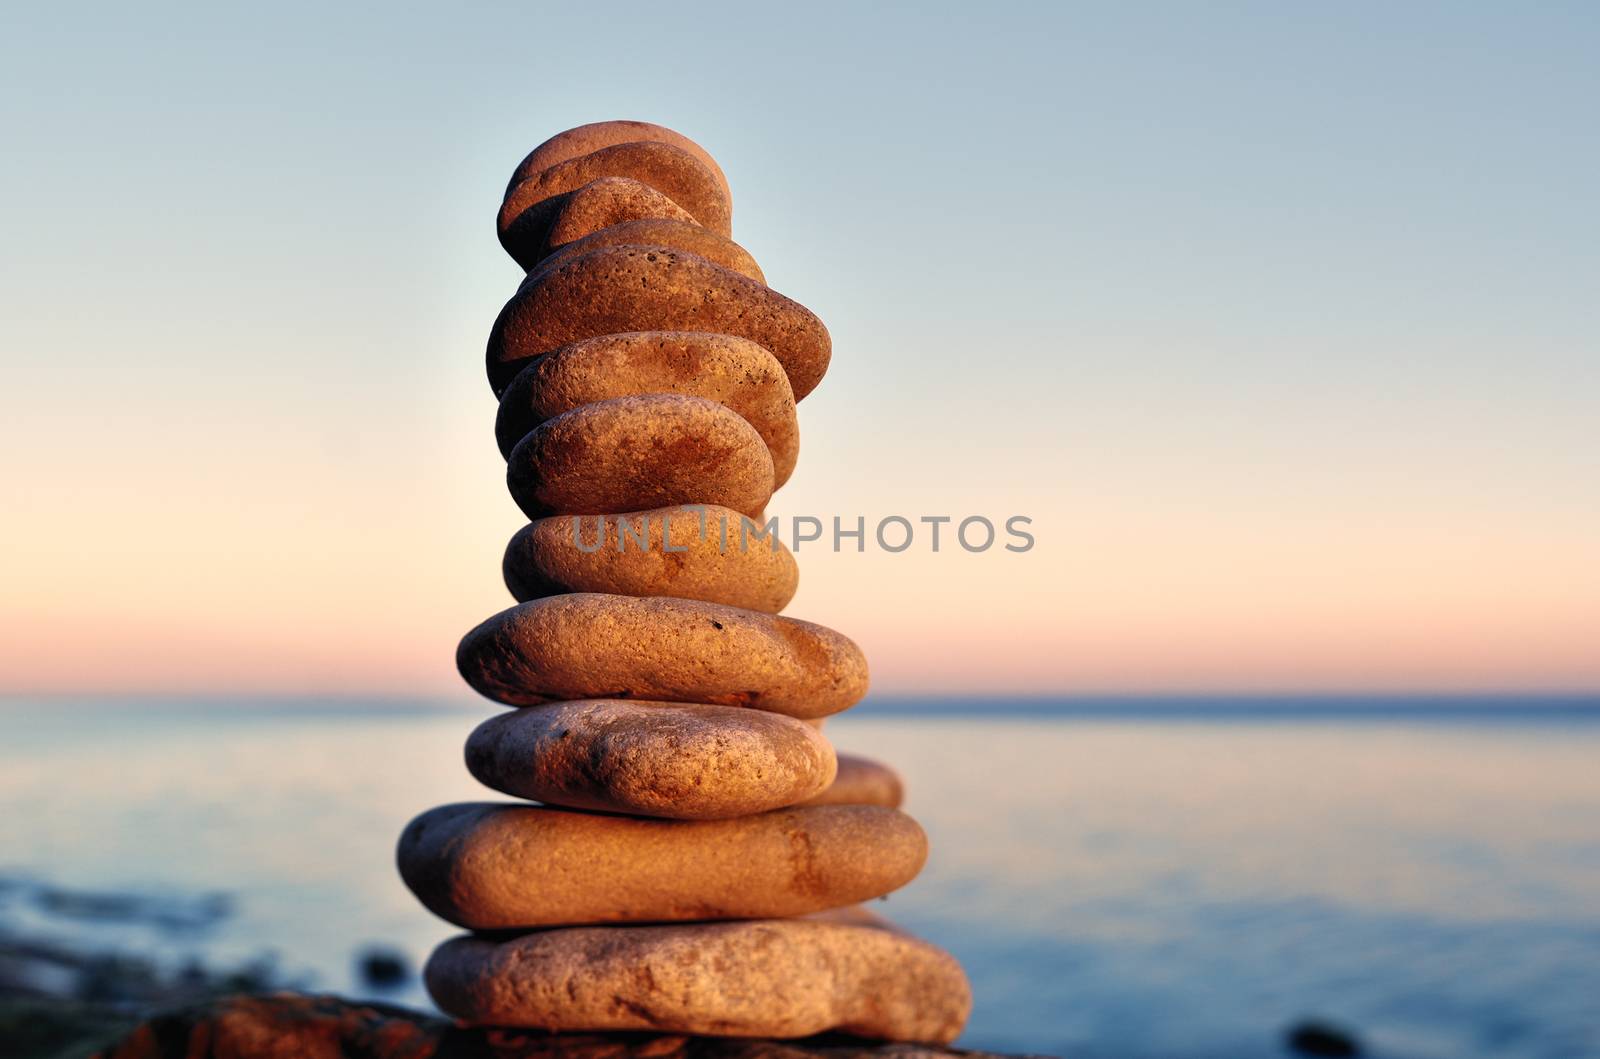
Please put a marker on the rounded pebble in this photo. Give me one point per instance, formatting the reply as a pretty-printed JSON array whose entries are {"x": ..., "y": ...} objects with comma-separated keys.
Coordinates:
[
  {"x": 572, "y": 216},
  {"x": 592, "y": 646},
  {"x": 586, "y": 139},
  {"x": 671, "y": 170},
  {"x": 633, "y": 453},
  {"x": 633, "y": 288},
  {"x": 730, "y": 370},
  {"x": 689, "y": 552},
  {"x": 676, "y": 760}
]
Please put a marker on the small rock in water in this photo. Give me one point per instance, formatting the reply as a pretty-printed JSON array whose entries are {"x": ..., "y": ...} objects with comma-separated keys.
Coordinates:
[
  {"x": 1313, "y": 1037},
  {"x": 289, "y": 1026},
  {"x": 382, "y": 967}
]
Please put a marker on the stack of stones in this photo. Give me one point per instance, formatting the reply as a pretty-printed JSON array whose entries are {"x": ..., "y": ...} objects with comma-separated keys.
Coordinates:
[{"x": 696, "y": 855}]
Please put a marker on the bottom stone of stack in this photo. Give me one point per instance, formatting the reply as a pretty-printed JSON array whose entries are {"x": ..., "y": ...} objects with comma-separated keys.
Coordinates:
[{"x": 754, "y": 978}]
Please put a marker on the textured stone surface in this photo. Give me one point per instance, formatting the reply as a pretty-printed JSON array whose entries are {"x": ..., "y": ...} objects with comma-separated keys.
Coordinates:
[
  {"x": 561, "y": 220},
  {"x": 498, "y": 866},
  {"x": 678, "y": 760},
  {"x": 669, "y": 169},
  {"x": 658, "y": 231},
  {"x": 630, "y": 288},
  {"x": 769, "y": 978},
  {"x": 594, "y": 646},
  {"x": 670, "y": 551},
  {"x": 633, "y": 453},
  {"x": 727, "y": 369},
  {"x": 586, "y": 139},
  {"x": 296, "y": 1026},
  {"x": 862, "y": 781}
]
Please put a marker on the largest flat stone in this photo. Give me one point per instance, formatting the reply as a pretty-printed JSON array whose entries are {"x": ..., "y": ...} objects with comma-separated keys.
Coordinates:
[
  {"x": 591, "y": 646},
  {"x": 770, "y": 978},
  {"x": 633, "y": 288},
  {"x": 489, "y": 866}
]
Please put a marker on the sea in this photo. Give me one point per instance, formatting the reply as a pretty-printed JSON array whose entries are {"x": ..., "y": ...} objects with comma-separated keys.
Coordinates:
[{"x": 1121, "y": 877}]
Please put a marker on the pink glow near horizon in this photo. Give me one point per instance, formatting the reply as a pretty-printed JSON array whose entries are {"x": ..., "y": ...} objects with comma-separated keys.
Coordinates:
[{"x": 1281, "y": 330}]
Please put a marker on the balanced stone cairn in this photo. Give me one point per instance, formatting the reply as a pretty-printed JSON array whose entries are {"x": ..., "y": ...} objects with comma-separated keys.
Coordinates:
[{"x": 696, "y": 853}]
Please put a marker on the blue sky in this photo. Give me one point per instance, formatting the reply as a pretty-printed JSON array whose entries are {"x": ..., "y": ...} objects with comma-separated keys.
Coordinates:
[{"x": 1279, "y": 320}]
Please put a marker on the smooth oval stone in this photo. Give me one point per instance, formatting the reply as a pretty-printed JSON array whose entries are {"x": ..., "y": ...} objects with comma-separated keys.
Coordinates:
[
  {"x": 670, "y": 551},
  {"x": 487, "y": 866},
  {"x": 586, "y": 139},
  {"x": 862, "y": 781},
  {"x": 767, "y": 978},
  {"x": 676, "y": 760},
  {"x": 669, "y": 169},
  {"x": 563, "y": 219},
  {"x": 592, "y": 646},
  {"x": 730, "y": 370},
  {"x": 658, "y": 231},
  {"x": 633, "y": 453},
  {"x": 634, "y": 288}
]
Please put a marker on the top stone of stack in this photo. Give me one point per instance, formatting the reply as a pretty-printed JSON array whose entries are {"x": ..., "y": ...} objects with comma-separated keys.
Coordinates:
[
  {"x": 597, "y": 176},
  {"x": 586, "y": 139},
  {"x": 624, "y": 227}
]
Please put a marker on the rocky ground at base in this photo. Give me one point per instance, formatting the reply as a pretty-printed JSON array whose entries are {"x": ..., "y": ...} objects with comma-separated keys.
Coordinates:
[
  {"x": 62, "y": 996},
  {"x": 296, "y": 1026}
]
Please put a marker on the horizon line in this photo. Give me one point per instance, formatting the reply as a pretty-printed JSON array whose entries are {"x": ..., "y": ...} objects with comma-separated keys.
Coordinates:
[{"x": 1244, "y": 697}]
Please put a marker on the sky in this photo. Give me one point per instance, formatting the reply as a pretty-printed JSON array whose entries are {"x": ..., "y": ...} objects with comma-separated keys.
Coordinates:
[{"x": 1279, "y": 322}]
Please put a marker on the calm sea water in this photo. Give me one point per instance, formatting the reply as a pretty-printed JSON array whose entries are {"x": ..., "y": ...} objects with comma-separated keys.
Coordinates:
[{"x": 1174, "y": 881}]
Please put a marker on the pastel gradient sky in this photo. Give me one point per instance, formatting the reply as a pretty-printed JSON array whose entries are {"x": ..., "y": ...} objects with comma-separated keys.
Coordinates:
[{"x": 1279, "y": 320}]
